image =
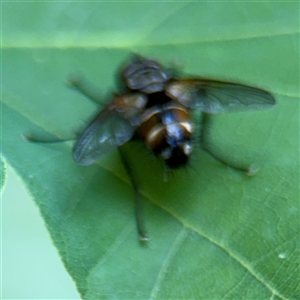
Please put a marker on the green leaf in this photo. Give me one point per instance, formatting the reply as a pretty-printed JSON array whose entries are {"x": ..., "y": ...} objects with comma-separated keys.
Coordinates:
[
  {"x": 215, "y": 233},
  {"x": 2, "y": 174}
]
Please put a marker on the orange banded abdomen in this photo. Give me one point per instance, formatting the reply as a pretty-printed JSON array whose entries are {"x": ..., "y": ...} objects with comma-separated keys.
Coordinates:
[{"x": 167, "y": 131}]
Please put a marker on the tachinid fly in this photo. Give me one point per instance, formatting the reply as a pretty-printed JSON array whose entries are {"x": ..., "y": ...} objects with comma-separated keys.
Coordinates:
[{"x": 156, "y": 107}]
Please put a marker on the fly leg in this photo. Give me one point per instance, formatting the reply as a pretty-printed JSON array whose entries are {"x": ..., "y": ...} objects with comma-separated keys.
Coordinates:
[
  {"x": 138, "y": 202},
  {"x": 78, "y": 83},
  {"x": 205, "y": 146},
  {"x": 34, "y": 139}
]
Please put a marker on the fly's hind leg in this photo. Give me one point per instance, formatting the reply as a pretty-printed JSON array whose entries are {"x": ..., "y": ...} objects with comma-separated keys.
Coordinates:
[
  {"x": 138, "y": 202},
  {"x": 205, "y": 146}
]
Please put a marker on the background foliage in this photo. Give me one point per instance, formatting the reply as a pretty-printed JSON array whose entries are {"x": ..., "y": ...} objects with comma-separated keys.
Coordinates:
[{"x": 215, "y": 233}]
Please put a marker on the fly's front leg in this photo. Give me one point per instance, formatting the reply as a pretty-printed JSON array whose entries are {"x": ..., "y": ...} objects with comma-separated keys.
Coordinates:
[
  {"x": 138, "y": 202},
  {"x": 205, "y": 146},
  {"x": 78, "y": 83}
]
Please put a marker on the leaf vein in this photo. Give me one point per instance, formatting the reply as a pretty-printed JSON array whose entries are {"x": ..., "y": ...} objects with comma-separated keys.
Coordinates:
[{"x": 166, "y": 263}]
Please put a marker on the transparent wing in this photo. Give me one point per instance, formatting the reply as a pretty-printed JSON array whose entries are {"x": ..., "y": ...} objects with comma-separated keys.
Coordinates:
[
  {"x": 218, "y": 97},
  {"x": 112, "y": 127}
]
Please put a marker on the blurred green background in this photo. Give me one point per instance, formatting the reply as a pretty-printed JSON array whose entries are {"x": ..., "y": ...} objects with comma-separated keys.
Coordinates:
[{"x": 31, "y": 267}]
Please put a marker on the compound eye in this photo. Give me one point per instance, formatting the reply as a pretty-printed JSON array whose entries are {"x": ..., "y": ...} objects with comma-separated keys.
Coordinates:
[{"x": 145, "y": 76}]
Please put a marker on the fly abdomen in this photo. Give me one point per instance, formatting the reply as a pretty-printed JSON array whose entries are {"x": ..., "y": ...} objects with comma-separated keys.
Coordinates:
[{"x": 167, "y": 131}]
